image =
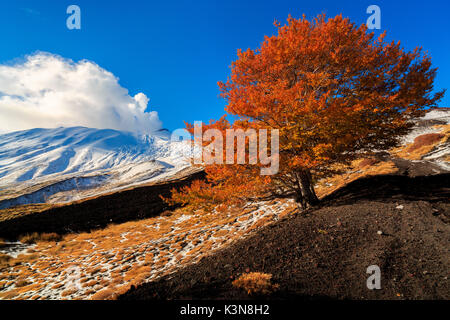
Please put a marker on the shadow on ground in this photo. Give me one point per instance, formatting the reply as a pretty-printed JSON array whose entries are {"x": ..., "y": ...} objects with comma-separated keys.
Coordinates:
[
  {"x": 96, "y": 213},
  {"x": 430, "y": 188},
  {"x": 399, "y": 223}
]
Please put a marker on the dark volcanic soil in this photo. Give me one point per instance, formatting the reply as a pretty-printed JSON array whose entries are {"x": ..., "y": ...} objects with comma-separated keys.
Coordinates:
[{"x": 324, "y": 253}]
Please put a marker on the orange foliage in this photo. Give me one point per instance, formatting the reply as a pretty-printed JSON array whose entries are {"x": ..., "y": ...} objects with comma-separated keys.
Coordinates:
[
  {"x": 255, "y": 283},
  {"x": 334, "y": 92}
]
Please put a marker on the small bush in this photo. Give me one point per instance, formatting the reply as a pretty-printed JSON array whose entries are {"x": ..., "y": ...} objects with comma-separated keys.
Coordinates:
[
  {"x": 22, "y": 283},
  {"x": 105, "y": 294},
  {"x": 29, "y": 238},
  {"x": 43, "y": 237},
  {"x": 256, "y": 283},
  {"x": 49, "y": 237},
  {"x": 4, "y": 259},
  {"x": 166, "y": 213},
  {"x": 68, "y": 292}
]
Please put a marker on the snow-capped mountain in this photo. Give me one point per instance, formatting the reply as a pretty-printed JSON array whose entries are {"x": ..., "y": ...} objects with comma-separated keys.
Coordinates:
[{"x": 63, "y": 164}]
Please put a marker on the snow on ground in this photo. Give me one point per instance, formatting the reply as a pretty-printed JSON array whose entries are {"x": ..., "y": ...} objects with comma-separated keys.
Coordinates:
[
  {"x": 82, "y": 265},
  {"x": 442, "y": 116},
  {"x": 15, "y": 249},
  {"x": 436, "y": 121},
  {"x": 66, "y": 164}
]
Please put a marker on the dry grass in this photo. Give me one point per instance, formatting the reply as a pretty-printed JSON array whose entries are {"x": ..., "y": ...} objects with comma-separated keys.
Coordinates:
[
  {"x": 4, "y": 260},
  {"x": 22, "y": 283},
  {"x": 129, "y": 253},
  {"x": 425, "y": 140},
  {"x": 358, "y": 169},
  {"x": 19, "y": 211},
  {"x": 105, "y": 294},
  {"x": 11, "y": 294},
  {"x": 68, "y": 292},
  {"x": 256, "y": 283},
  {"x": 423, "y": 144},
  {"x": 367, "y": 163},
  {"x": 43, "y": 237}
]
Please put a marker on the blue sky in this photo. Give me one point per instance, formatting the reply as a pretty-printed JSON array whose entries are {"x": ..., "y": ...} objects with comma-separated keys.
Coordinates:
[{"x": 176, "y": 51}]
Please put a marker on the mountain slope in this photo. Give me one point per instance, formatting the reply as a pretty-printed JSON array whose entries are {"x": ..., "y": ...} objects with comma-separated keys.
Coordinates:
[
  {"x": 59, "y": 165},
  {"x": 330, "y": 255},
  {"x": 324, "y": 253}
]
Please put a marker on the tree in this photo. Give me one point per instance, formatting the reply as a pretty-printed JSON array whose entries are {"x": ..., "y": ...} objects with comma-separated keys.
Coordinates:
[{"x": 334, "y": 92}]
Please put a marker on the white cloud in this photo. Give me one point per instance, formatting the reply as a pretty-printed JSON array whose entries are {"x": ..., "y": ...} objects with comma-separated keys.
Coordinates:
[{"x": 47, "y": 91}]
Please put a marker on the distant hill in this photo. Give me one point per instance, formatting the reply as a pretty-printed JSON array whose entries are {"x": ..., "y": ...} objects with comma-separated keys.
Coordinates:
[{"x": 59, "y": 165}]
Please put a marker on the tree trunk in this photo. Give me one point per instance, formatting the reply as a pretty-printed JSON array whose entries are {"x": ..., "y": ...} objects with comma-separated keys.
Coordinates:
[{"x": 306, "y": 197}]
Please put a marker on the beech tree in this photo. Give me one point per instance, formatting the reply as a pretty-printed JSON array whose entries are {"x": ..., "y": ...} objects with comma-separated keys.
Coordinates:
[{"x": 334, "y": 92}]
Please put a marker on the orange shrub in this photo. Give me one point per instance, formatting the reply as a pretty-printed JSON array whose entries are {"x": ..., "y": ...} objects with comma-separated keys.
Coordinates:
[
  {"x": 105, "y": 294},
  {"x": 255, "y": 283},
  {"x": 4, "y": 259},
  {"x": 44, "y": 237}
]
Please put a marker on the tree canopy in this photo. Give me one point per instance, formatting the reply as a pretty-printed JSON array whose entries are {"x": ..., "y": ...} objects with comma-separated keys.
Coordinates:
[{"x": 334, "y": 92}]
